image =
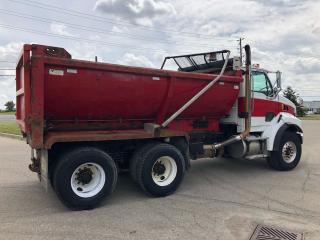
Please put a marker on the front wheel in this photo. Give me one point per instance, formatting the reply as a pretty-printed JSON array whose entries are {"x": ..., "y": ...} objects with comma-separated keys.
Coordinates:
[
  {"x": 84, "y": 177},
  {"x": 289, "y": 153}
]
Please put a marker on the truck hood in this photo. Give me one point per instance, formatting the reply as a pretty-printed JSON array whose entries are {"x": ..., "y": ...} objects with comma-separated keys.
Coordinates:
[{"x": 286, "y": 101}]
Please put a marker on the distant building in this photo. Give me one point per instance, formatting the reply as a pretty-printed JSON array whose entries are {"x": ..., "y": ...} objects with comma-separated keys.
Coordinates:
[{"x": 312, "y": 106}]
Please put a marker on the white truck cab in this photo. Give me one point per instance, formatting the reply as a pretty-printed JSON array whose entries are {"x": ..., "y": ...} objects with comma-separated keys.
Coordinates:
[{"x": 275, "y": 133}]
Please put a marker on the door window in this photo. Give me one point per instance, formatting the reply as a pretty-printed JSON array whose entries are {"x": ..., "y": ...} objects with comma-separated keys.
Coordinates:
[{"x": 261, "y": 83}]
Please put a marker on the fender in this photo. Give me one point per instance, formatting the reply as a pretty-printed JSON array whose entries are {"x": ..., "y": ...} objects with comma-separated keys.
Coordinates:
[
  {"x": 282, "y": 129},
  {"x": 282, "y": 122}
]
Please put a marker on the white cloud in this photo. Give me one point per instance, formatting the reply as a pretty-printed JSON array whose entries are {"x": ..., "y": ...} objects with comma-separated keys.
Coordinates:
[
  {"x": 95, "y": 37},
  {"x": 119, "y": 29},
  {"x": 10, "y": 50},
  {"x": 144, "y": 22},
  {"x": 136, "y": 60},
  {"x": 7, "y": 90},
  {"x": 142, "y": 11},
  {"x": 284, "y": 34},
  {"x": 304, "y": 65},
  {"x": 60, "y": 29},
  {"x": 10, "y": 53},
  {"x": 3, "y": 99}
]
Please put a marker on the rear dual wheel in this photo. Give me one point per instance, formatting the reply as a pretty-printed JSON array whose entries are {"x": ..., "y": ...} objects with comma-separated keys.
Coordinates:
[
  {"x": 158, "y": 168},
  {"x": 84, "y": 177}
]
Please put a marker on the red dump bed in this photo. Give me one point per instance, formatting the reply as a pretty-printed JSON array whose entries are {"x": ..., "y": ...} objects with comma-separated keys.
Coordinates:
[{"x": 62, "y": 99}]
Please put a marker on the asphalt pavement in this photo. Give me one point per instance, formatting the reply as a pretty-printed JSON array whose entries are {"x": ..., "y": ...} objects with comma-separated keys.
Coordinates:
[
  {"x": 219, "y": 199},
  {"x": 7, "y": 117}
]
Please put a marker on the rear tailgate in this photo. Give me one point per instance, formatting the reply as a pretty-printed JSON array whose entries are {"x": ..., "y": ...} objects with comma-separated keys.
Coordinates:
[
  {"x": 23, "y": 90},
  {"x": 30, "y": 81}
]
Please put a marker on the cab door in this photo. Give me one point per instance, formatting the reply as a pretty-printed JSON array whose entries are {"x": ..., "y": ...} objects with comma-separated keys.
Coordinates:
[{"x": 264, "y": 105}]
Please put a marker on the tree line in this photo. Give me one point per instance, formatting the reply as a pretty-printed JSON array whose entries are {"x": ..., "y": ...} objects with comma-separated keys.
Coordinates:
[{"x": 9, "y": 107}]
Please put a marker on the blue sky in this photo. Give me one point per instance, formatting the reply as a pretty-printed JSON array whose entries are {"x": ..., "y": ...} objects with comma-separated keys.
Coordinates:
[{"x": 284, "y": 34}]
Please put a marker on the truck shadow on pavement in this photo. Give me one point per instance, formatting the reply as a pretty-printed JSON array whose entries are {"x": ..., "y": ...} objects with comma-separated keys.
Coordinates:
[
  {"x": 203, "y": 171},
  {"x": 240, "y": 182}
]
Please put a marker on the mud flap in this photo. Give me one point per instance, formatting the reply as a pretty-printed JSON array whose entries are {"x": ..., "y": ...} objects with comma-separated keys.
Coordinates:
[{"x": 44, "y": 169}]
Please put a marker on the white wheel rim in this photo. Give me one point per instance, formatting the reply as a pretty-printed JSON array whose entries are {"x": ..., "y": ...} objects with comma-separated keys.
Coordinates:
[
  {"x": 88, "y": 179},
  {"x": 289, "y": 152},
  {"x": 164, "y": 171}
]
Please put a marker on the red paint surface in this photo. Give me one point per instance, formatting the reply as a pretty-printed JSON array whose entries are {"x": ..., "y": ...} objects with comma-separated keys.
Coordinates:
[
  {"x": 112, "y": 97},
  {"x": 262, "y": 106}
]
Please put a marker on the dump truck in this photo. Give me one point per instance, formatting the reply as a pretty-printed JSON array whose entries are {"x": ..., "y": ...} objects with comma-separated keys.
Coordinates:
[{"x": 87, "y": 121}]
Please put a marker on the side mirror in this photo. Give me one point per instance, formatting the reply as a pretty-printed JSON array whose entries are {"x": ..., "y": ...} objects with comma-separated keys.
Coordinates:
[{"x": 278, "y": 77}]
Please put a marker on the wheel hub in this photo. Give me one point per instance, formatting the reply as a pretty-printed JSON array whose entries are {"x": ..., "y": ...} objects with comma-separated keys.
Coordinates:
[
  {"x": 159, "y": 168},
  {"x": 289, "y": 152},
  {"x": 88, "y": 179},
  {"x": 84, "y": 176},
  {"x": 164, "y": 171}
]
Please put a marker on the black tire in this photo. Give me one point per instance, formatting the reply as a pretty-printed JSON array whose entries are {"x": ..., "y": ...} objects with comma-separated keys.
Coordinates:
[
  {"x": 145, "y": 165},
  {"x": 66, "y": 166},
  {"x": 52, "y": 169},
  {"x": 277, "y": 161},
  {"x": 137, "y": 156}
]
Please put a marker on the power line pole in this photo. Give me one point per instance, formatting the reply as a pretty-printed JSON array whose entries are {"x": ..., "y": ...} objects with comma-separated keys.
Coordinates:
[{"x": 240, "y": 48}]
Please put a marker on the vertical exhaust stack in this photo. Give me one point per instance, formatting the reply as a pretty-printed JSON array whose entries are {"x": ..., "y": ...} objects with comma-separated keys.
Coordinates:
[{"x": 247, "y": 106}]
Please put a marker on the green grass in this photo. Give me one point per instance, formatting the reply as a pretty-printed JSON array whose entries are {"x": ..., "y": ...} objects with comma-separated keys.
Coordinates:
[
  {"x": 7, "y": 113},
  {"x": 10, "y": 127},
  {"x": 311, "y": 117}
]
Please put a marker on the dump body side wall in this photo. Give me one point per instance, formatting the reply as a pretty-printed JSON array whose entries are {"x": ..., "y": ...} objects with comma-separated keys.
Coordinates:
[
  {"x": 73, "y": 95},
  {"x": 89, "y": 98}
]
